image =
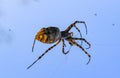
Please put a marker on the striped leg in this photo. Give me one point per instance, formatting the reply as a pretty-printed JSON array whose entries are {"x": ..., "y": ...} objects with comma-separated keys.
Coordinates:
[
  {"x": 79, "y": 32},
  {"x": 43, "y": 54},
  {"x": 82, "y": 50},
  {"x": 63, "y": 45},
  {"x": 89, "y": 45},
  {"x": 73, "y": 25}
]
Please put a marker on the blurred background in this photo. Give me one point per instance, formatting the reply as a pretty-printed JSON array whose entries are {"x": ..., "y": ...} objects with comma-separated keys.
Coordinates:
[{"x": 20, "y": 20}]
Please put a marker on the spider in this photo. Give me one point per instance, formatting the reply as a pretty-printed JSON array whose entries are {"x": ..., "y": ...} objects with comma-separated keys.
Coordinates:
[{"x": 54, "y": 35}]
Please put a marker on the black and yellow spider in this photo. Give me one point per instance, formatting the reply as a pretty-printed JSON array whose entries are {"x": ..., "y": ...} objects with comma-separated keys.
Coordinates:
[{"x": 53, "y": 34}]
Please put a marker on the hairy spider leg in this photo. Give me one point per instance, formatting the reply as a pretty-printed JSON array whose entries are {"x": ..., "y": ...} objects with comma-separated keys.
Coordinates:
[
  {"x": 33, "y": 45},
  {"x": 73, "y": 25},
  {"x": 43, "y": 54},
  {"x": 70, "y": 46},
  {"x": 89, "y": 45},
  {"x": 63, "y": 45},
  {"x": 73, "y": 42},
  {"x": 79, "y": 33}
]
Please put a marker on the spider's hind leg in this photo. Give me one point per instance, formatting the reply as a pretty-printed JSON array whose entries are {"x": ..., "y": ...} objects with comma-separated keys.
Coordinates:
[
  {"x": 43, "y": 54},
  {"x": 33, "y": 45}
]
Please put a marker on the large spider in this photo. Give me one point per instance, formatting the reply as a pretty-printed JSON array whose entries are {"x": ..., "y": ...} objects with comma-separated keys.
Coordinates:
[{"x": 53, "y": 34}]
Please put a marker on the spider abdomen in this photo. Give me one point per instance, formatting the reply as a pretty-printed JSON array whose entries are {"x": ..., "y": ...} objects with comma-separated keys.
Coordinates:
[{"x": 48, "y": 35}]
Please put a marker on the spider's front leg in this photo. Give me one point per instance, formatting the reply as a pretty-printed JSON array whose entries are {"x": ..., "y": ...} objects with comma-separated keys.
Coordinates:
[
  {"x": 43, "y": 54},
  {"x": 73, "y": 25}
]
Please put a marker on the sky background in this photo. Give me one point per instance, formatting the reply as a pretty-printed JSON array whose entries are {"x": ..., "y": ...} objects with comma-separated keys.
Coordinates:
[{"x": 20, "y": 20}]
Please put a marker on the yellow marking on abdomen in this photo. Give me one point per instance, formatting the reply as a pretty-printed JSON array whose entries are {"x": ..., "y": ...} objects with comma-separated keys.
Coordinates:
[{"x": 44, "y": 38}]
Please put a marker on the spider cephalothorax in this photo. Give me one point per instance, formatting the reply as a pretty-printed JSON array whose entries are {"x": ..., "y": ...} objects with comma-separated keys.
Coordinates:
[{"x": 53, "y": 34}]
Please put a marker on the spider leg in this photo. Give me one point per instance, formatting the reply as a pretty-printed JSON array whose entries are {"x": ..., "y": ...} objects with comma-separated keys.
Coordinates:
[
  {"x": 73, "y": 42},
  {"x": 79, "y": 33},
  {"x": 73, "y": 25},
  {"x": 33, "y": 45},
  {"x": 63, "y": 45},
  {"x": 43, "y": 54},
  {"x": 89, "y": 45}
]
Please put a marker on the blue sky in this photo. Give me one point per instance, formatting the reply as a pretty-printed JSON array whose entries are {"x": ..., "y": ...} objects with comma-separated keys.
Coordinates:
[{"x": 20, "y": 20}]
